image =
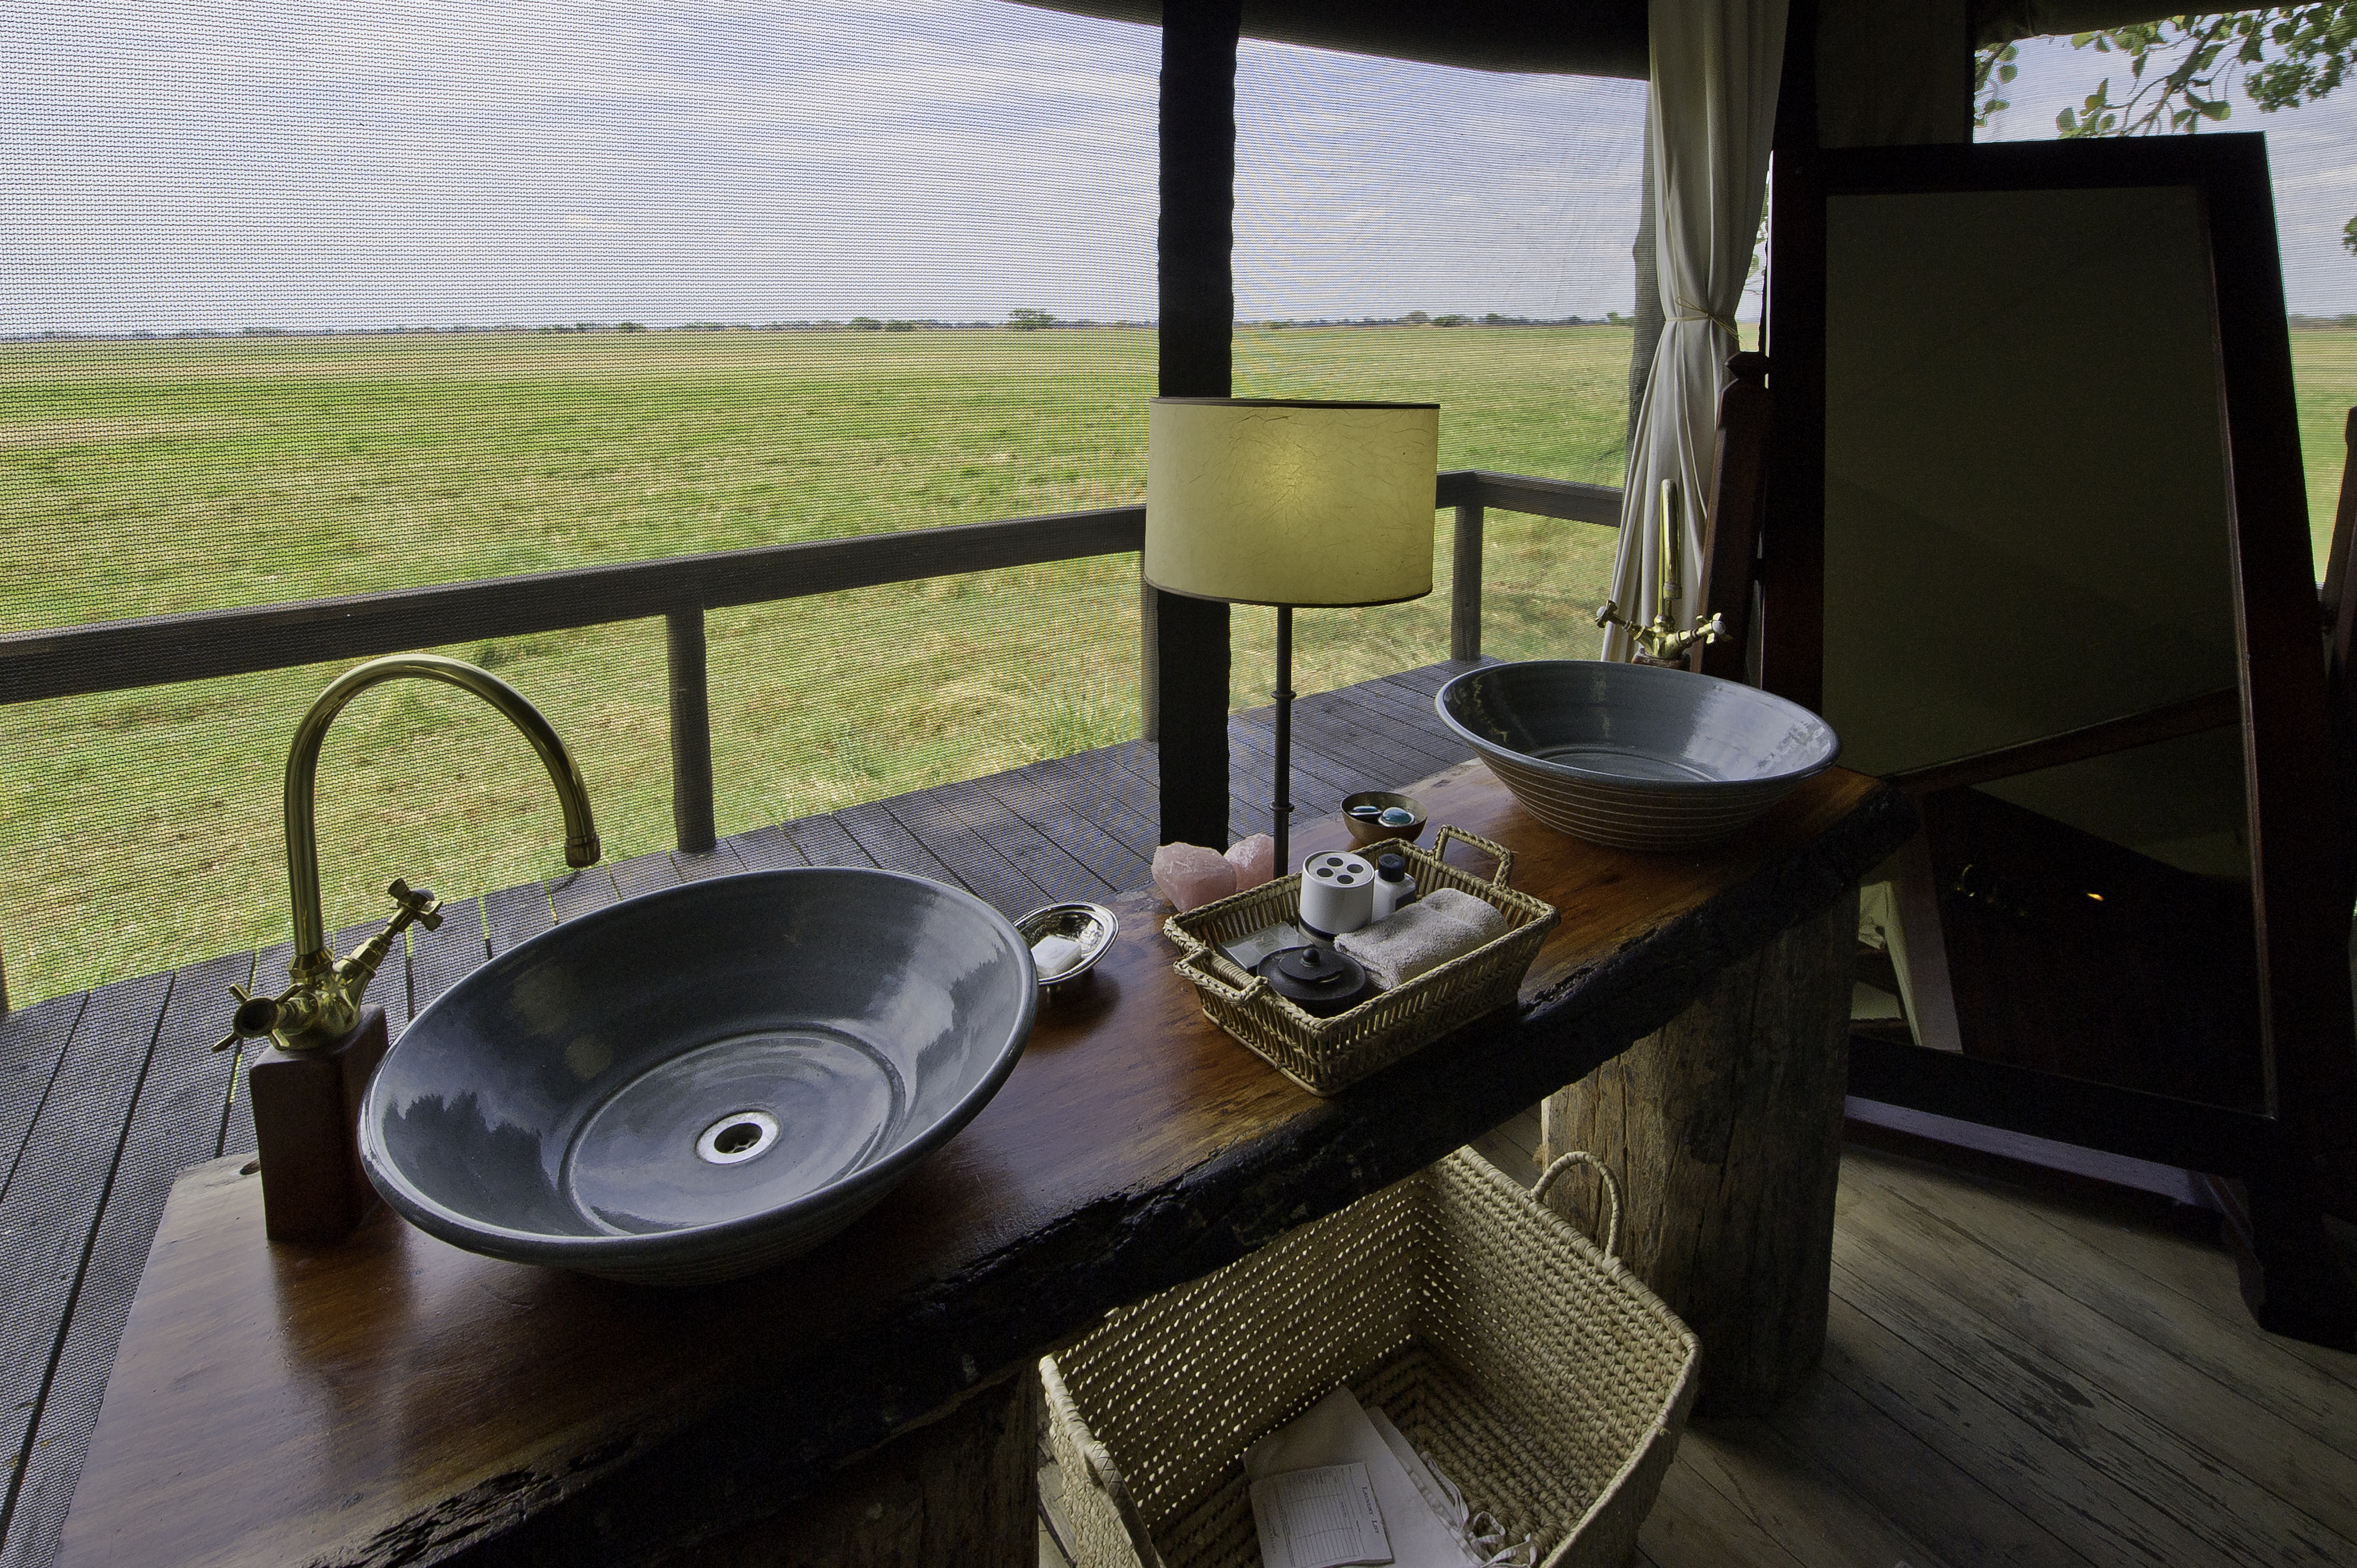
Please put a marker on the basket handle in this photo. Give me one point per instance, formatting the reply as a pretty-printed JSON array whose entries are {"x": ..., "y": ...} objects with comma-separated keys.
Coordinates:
[
  {"x": 1497, "y": 852},
  {"x": 1612, "y": 1193},
  {"x": 1098, "y": 1461},
  {"x": 1196, "y": 967}
]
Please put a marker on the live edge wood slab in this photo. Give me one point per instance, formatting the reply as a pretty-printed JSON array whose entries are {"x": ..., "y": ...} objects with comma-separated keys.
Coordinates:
[{"x": 392, "y": 1399}]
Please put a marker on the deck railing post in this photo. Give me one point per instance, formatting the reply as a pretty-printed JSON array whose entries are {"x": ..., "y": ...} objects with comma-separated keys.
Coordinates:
[
  {"x": 691, "y": 731},
  {"x": 1149, "y": 662},
  {"x": 1465, "y": 585}
]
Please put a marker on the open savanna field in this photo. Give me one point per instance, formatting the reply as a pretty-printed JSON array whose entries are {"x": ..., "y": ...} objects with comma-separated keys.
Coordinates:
[{"x": 142, "y": 828}]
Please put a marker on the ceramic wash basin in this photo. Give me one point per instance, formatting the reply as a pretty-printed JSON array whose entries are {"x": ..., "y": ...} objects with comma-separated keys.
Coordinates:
[
  {"x": 1634, "y": 756},
  {"x": 701, "y": 1082}
]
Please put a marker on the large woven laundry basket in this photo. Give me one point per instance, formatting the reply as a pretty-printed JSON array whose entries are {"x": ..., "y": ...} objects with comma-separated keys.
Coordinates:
[{"x": 1533, "y": 1369}]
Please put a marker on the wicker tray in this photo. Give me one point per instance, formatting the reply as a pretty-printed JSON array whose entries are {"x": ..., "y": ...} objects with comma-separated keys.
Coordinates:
[
  {"x": 1540, "y": 1375},
  {"x": 1325, "y": 1056}
]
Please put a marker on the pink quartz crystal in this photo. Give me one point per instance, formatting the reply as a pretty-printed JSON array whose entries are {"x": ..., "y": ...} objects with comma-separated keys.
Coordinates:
[
  {"x": 1191, "y": 876},
  {"x": 1254, "y": 859}
]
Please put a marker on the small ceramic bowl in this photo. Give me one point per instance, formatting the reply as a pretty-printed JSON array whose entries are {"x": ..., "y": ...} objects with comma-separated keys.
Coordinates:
[
  {"x": 1370, "y": 830},
  {"x": 1090, "y": 927}
]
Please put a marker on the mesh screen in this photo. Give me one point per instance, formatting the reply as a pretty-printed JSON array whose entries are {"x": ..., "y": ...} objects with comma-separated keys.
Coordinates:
[
  {"x": 1427, "y": 235},
  {"x": 304, "y": 299}
]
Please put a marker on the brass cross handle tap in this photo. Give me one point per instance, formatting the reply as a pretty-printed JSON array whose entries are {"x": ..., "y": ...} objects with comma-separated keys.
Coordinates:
[
  {"x": 1664, "y": 642},
  {"x": 311, "y": 1014}
]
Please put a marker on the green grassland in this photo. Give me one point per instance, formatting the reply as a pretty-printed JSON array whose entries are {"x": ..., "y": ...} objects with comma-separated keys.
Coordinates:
[{"x": 140, "y": 829}]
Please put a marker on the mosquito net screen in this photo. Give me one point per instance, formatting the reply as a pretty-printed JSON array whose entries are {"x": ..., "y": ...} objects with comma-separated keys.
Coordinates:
[{"x": 301, "y": 300}]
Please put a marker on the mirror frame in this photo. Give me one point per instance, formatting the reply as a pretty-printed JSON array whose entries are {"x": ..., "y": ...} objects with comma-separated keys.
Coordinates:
[{"x": 2299, "y": 1155}]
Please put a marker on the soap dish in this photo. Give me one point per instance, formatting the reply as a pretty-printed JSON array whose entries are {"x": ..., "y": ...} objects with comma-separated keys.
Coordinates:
[{"x": 1091, "y": 928}]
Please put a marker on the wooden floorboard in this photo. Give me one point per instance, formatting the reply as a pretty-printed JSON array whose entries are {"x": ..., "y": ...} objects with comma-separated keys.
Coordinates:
[
  {"x": 1060, "y": 874},
  {"x": 51, "y": 1209},
  {"x": 824, "y": 841},
  {"x": 979, "y": 868},
  {"x": 879, "y": 835},
  {"x": 174, "y": 1109},
  {"x": 768, "y": 848},
  {"x": 32, "y": 1046},
  {"x": 515, "y": 915}
]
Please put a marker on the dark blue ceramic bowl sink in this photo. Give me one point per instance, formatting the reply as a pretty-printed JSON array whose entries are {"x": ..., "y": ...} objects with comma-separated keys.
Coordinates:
[{"x": 701, "y": 1082}]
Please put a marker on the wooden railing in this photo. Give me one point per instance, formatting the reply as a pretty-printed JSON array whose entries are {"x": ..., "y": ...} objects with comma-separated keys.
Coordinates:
[{"x": 115, "y": 656}]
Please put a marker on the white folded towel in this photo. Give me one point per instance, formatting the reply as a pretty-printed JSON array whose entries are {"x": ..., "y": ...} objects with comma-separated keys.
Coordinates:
[
  {"x": 1422, "y": 937},
  {"x": 1484, "y": 916}
]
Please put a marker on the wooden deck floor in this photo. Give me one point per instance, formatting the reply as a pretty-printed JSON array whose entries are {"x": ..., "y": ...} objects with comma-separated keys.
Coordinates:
[{"x": 2012, "y": 1379}]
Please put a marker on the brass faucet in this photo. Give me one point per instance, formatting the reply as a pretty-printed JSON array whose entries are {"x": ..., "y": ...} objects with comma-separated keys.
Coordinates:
[
  {"x": 1664, "y": 642},
  {"x": 323, "y": 1001}
]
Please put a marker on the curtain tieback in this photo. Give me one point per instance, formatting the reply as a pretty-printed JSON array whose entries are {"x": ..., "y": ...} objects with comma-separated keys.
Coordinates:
[{"x": 1689, "y": 311}]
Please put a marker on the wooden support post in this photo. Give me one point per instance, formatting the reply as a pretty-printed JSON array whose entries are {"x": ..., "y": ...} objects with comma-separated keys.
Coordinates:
[
  {"x": 691, "y": 732},
  {"x": 1149, "y": 660},
  {"x": 962, "y": 1489},
  {"x": 1724, "y": 1129},
  {"x": 1465, "y": 585},
  {"x": 1197, "y": 289}
]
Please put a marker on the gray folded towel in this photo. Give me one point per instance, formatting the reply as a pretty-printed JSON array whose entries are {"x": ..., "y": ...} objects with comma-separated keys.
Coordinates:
[{"x": 1422, "y": 937}]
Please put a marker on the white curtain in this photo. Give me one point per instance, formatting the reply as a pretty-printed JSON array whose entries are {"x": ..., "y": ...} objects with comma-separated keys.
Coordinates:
[{"x": 1715, "y": 67}]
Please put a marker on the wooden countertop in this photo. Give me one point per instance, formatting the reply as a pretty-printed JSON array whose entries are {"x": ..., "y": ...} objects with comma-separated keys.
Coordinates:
[{"x": 394, "y": 1399}]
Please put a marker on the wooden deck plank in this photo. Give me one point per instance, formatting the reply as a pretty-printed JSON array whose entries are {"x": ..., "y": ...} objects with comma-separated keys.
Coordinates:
[
  {"x": 1428, "y": 679},
  {"x": 32, "y": 1046},
  {"x": 1777, "y": 1493},
  {"x": 880, "y": 835},
  {"x": 644, "y": 873},
  {"x": 1058, "y": 871},
  {"x": 1415, "y": 734},
  {"x": 1381, "y": 744},
  {"x": 2231, "y": 1351},
  {"x": 1108, "y": 795},
  {"x": 973, "y": 864},
  {"x": 720, "y": 860},
  {"x": 516, "y": 914},
  {"x": 2088, "y": 1498},
  {"x": 55, "y": 1194},
  {"x": 1070, "y": 826},
  {"x": 1692, "y": 1526},
  {"x": 577, "y": 892},
  {"x": 826, "y": 841},
  {"x": 441, "y": 958},
  {"x": 766, "y": 849},
  {"x": 2123, "y": 1386},
  {"x": 173, "y": 1113},
  {"x": 1920, "y": 1490}
]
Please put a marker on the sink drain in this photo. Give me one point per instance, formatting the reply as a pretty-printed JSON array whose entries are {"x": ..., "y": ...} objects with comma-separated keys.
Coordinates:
[{"x": 736, "y": 1137}]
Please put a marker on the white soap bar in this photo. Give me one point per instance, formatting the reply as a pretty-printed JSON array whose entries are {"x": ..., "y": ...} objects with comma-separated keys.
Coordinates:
[{"x": 1054, "y": 955}]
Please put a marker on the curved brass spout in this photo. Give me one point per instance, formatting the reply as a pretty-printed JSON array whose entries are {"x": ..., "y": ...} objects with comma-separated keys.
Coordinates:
[{"x": 323, "y": 1004}]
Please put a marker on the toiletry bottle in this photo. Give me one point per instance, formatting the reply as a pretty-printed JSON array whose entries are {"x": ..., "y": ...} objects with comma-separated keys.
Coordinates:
[{"x": 1393, "y": 885}]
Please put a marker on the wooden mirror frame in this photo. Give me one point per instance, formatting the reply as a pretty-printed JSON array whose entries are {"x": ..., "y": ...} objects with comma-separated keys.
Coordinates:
[{"x": 2286, "y": 1163}]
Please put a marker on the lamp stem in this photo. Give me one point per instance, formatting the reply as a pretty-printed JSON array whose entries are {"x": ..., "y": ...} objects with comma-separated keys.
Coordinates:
[{"x": 1281, "y": 809}]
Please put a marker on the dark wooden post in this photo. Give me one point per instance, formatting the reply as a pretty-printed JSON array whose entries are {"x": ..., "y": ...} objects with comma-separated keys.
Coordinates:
[
  {"x": 1724, "y": 1129},
  {"x": 1190, "y": 703},
  {"x": 1465, "y": 585},
  {"x": 1792, "y": 528},
  {"x": 691, "y": 732}
]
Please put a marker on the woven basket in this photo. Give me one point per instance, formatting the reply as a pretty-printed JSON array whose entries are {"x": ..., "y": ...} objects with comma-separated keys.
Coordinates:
[
  {"x": 1533, "y": 1369},
  {"x": 1325, "y": 1056}
]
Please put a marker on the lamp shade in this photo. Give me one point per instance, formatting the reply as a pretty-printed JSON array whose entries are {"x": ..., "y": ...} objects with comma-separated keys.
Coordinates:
[{"x": 1275, "y": 503}]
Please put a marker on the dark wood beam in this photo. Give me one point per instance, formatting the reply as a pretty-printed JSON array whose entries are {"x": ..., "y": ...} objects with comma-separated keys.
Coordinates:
[
  {"x": 1193, "y": 247},
  {"x": 2188, "y": 715}
]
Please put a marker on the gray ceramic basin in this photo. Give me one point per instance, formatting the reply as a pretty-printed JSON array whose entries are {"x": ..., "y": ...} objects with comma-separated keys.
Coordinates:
[
  {"x": 1634, "y": 756},
  {"x": 701, "y": 1082}
]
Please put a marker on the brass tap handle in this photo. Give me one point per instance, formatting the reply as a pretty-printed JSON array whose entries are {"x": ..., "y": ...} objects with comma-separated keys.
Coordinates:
[{"x": 420, "y": 905}]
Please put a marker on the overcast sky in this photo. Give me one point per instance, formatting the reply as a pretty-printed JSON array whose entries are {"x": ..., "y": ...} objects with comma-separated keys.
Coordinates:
[
  {"x": 201, "y": 163},
  {"x": 220, "y": 164}
]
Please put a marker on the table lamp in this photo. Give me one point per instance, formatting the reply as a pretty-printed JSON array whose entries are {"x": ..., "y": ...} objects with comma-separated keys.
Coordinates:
[{"x": 1293, "y": 504}]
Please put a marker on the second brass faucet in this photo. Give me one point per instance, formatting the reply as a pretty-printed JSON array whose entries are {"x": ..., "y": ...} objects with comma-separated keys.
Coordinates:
[
  {"x": 322, "y": 1003},
  {"x": 1664, "y": 642}
]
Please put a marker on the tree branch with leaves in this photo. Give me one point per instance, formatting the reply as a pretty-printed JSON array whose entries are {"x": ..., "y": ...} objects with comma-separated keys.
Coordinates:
[{"x": 2183, "y": 72}]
